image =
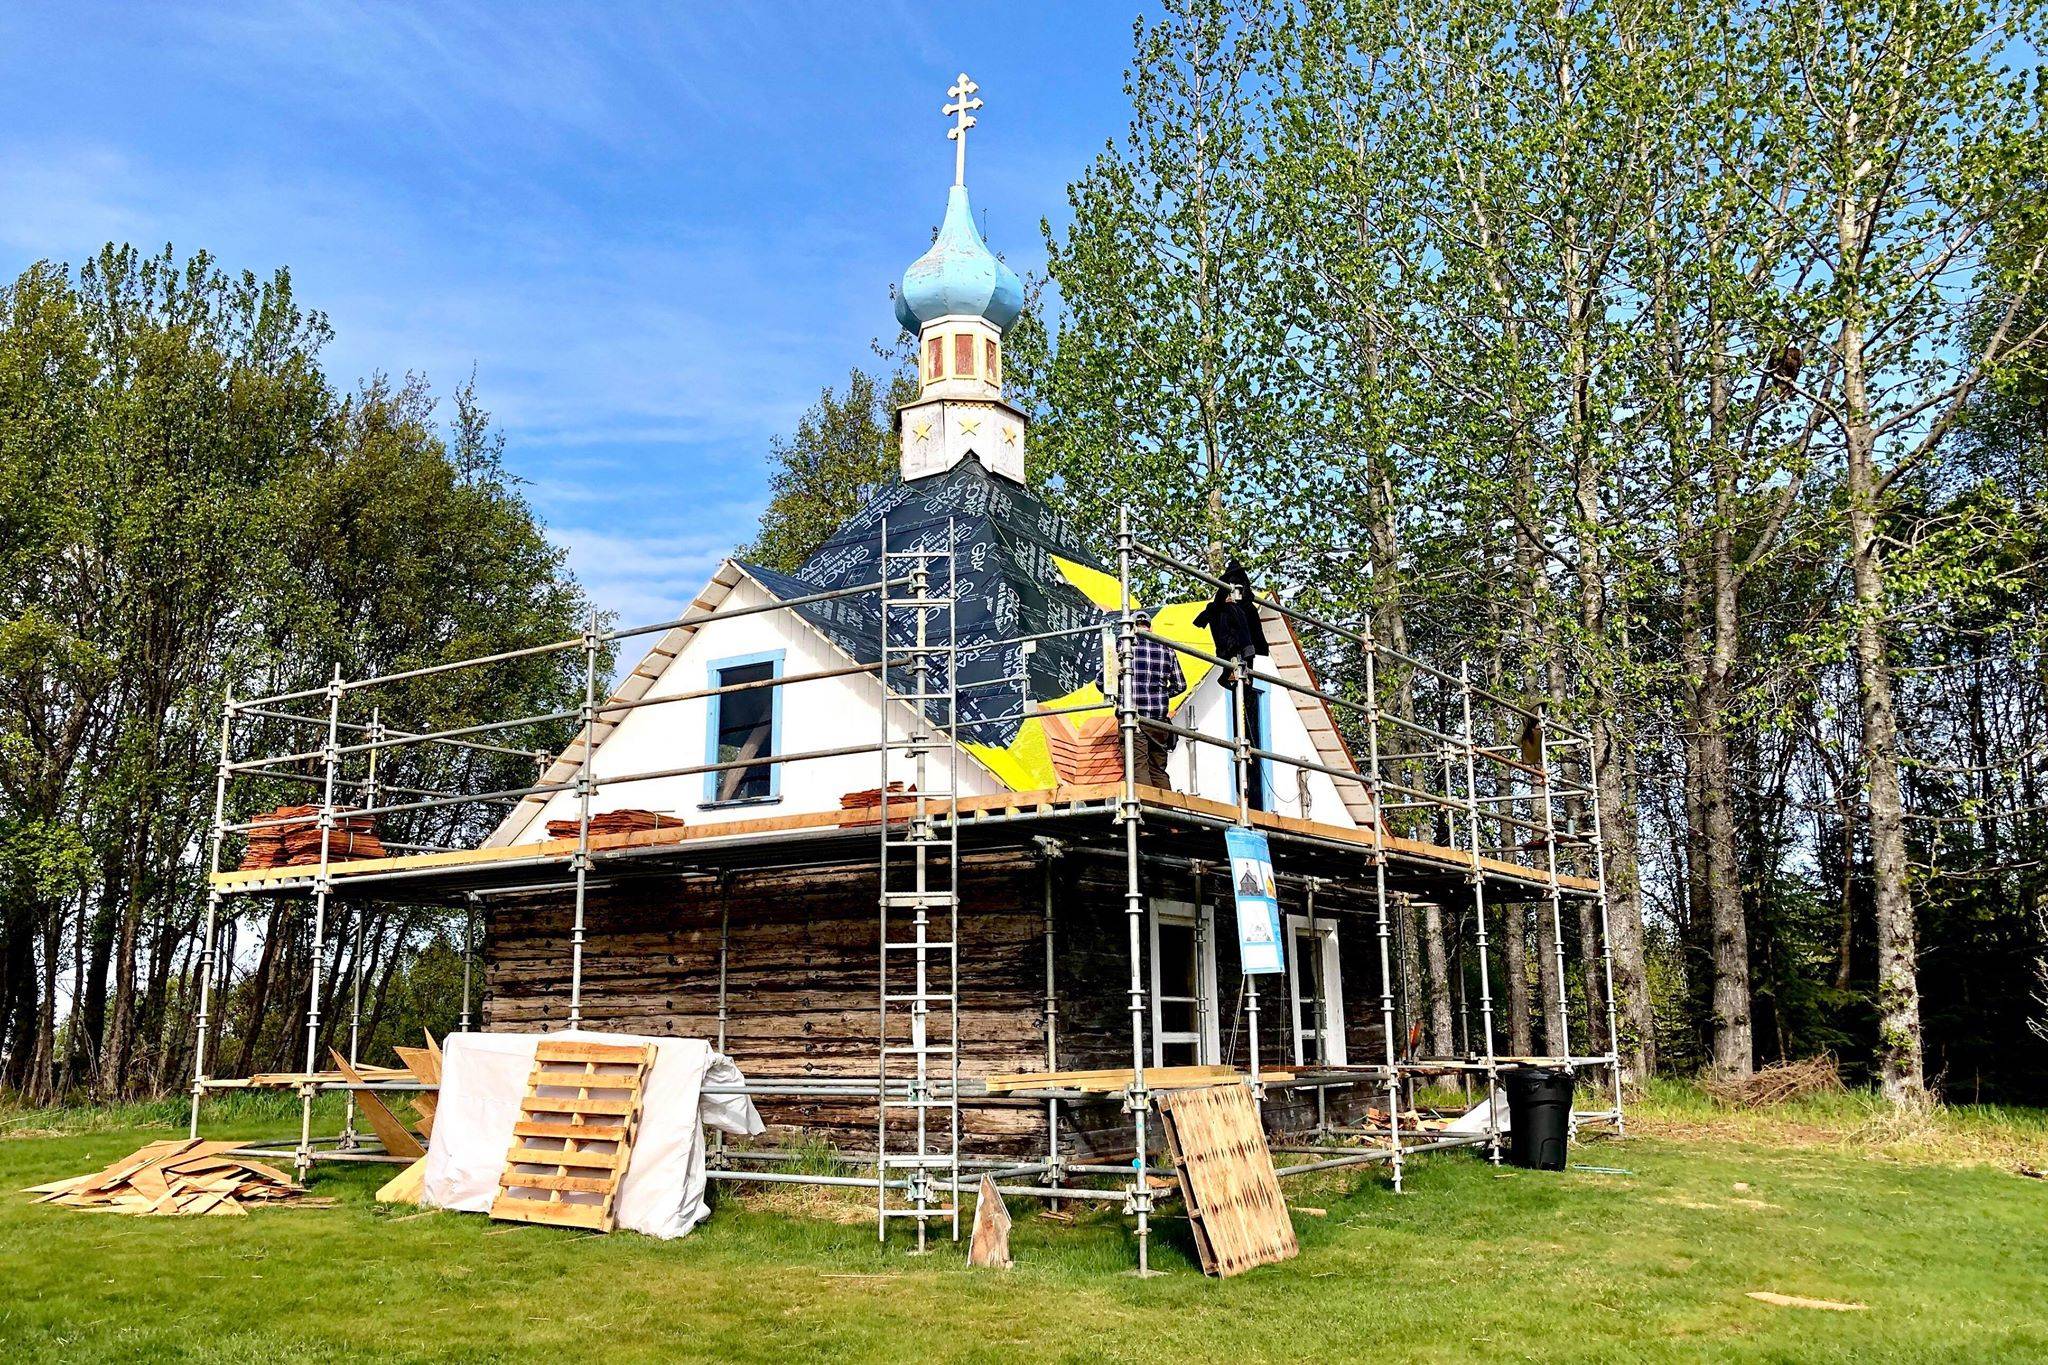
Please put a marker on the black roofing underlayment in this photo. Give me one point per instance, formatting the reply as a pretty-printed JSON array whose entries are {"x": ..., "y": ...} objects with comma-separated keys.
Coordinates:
[{"x": 1004, "y": 540}]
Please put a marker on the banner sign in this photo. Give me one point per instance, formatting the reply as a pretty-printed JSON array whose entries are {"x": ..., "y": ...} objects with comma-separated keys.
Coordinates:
[{"x": 1258, "y": 902}]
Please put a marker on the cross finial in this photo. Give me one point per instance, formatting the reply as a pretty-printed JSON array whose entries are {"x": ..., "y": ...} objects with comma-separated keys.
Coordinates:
[{"x": 963, "y": 106}]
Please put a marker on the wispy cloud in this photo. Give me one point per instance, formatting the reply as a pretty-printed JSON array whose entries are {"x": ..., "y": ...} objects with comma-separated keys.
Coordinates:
[
  {"x": 66, "y": 194},
  {"x": 650, "y": 575},
  {"x": 654, "y": 231}
]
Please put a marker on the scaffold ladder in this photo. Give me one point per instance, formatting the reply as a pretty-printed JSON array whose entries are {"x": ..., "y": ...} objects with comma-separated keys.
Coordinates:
[{"x": 917, "y": 1142}]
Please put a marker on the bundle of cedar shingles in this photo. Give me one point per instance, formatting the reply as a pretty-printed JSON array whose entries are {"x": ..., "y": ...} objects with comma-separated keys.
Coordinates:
[
  {"x": 871, "y": 797},
  {"x": 290, "y": 836},
  {"x": 865, "y": 806},
  {"x": 178, "y": 1177},
  {"x": 615, "y": 822}
]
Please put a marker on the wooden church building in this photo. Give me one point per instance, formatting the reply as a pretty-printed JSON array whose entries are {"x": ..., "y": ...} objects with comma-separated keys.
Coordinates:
[{"x": 864, "y": 836}]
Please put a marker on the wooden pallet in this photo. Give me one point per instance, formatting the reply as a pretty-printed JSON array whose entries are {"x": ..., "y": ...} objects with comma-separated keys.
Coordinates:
[
  {"x": 574, "y": 1137},
  {"x": 1226, "y": 1176}
]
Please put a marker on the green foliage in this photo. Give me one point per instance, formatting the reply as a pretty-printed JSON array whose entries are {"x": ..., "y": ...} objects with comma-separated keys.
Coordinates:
[
  {"x": 1475, "y": 321},
  {"x": 843, "y": 450},
  {"x": 1163, "y": 389},
  {"x": 189, "y": 508},
  {"x": 1651, "y": 1265}
]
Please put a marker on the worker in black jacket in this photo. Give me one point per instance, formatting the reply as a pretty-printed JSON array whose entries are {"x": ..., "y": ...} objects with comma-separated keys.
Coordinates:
[{"x": 1232, "y": 618}]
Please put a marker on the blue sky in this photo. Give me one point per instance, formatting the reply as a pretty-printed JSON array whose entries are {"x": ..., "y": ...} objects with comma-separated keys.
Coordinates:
[{"x": 656, "y": 231}]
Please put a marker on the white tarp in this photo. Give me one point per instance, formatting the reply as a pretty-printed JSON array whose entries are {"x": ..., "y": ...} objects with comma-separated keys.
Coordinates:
[
  {"x": 1474, "y": 1120},
  {"x": 484, "y": 1077}
]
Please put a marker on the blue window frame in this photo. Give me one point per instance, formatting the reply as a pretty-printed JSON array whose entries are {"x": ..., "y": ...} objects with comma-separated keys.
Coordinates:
[
  {"x": 743, "y": 725},
  {"x": 1259, "y": 698}
]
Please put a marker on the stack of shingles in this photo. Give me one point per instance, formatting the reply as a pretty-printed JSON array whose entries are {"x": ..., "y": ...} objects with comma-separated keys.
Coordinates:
[
  {"x": 615, "y": 822},
  {"x": 178, "y": 1177},
  {"x": 866, "y": 804},
  {"x": 290, "y": 837},
  {"x": 1085, "y": 754}
]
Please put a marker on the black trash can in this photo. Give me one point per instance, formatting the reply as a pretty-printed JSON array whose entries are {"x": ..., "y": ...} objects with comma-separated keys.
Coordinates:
[{"x": 1539, "y": 1116}]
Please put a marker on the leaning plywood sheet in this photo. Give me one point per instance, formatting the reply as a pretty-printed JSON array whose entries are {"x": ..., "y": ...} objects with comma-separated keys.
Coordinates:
[
  {"x": 404, "y": 1188},
  {"x": 1227, "y": 1178},
  {"x": 396, "y": 1137},
  {"x": 425, "y": 1063},
  {"x": 574, "y": 1139}
]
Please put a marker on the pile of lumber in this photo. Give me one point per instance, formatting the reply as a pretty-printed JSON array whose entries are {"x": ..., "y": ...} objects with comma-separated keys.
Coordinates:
[
  {"x": 290, "y": 837},
  {"x": 180, "y": 1177},
  {"x": 616, "y": 822}
]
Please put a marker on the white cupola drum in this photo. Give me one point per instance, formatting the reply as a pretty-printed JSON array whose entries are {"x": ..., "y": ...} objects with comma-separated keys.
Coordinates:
[{"x": 960, "y": 300}]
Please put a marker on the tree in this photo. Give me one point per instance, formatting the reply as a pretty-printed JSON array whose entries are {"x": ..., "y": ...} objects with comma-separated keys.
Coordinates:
[
  {"x": 843, "y": 450},
  {"x": 1161, "y": 392},
  {"x": 1441, "y": 299},
  {"x": 1907, "y": 143},
  {"x": 190, "y": 508}
]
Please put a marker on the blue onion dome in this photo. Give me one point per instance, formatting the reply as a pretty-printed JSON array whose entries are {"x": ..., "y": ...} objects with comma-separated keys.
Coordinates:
[{"x": 959, "y": 275}]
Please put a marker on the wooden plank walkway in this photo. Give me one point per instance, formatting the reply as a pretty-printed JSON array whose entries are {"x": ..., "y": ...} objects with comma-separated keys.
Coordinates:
[{"x": 969, "y": 809}]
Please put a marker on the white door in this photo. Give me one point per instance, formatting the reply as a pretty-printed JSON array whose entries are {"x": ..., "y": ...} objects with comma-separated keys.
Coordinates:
[
  {"x": 1315, "y": 989},
  {"x": 1184, "y": 1022}
]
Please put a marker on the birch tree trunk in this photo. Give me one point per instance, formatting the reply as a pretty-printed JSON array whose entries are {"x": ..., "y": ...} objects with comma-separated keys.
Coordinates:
[
  {"x": 1442, "y": 1041},
  {"x": 1901, "y": 1072}
]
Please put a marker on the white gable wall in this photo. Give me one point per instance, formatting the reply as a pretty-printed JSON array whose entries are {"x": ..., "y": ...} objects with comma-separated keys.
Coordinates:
[
  {"x": 1206, "y": 770},
  {"x": 830, "y": 713}
]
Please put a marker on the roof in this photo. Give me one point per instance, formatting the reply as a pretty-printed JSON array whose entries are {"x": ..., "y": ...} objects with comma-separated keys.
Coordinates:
[
  {"x": 1019, "y": 564},
  {"x": 1023, "y": 571},
  {"x": 632, "y": 687}
]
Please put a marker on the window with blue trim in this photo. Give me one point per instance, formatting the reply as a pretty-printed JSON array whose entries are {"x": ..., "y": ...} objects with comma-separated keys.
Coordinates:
[{"x": 742, "y": 725}]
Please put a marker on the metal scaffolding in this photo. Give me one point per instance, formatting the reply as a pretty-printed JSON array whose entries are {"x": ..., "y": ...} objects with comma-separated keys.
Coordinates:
[{"x": 1496, "y": 803}]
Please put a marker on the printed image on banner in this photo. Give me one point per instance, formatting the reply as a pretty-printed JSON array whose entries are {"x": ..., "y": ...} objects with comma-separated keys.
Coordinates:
[{"x": 1258, "y": 902}]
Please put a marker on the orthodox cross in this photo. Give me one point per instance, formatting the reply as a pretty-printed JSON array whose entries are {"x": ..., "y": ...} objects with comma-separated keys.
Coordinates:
[{"x": 963, "y": 106}]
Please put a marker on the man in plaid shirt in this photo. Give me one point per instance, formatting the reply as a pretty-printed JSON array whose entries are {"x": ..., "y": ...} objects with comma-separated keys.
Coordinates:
[{"x": 1154, "y": 679}]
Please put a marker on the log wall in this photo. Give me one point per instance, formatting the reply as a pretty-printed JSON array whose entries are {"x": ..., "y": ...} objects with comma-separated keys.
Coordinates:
[
  {"x": 800, "y": 978},
  {"x": 801, "y": 983},
  {"x": 1092, "y": 934}
]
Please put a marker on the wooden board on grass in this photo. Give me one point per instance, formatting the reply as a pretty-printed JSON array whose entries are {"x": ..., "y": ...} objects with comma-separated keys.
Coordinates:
[
  {"x": 1227, "y": 1178},
  {"x": 405, "y": 1187},
  {"x": 566, "y": 1170},
  {"x": 175, "y": 1178}
]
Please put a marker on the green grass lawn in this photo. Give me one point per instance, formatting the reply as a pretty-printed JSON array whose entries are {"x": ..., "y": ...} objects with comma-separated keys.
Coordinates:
[{"x": 1946, "y": 1246}]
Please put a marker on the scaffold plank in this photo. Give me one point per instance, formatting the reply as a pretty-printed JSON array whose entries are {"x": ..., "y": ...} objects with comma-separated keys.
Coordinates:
[{"x": 1027, "y": 803}]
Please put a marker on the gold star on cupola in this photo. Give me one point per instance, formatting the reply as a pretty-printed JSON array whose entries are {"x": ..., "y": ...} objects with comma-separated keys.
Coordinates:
[
  {"x": 969, "y": 425},
  {"x": 1009, "y": 436},
  {"x": 922, "y": 431}
]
